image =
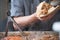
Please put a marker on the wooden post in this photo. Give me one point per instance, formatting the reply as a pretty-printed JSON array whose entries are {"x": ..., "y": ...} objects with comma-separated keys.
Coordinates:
[
  {"x": 3, "y": 9},
  {"x": 3, "y": 13}
]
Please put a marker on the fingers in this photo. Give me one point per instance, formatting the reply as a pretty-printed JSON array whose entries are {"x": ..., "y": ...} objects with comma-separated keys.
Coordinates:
[
  {"x": 40, "y": 5},
  {"x": 53, "y": 10},
  {"x": 57, "y": 7}
]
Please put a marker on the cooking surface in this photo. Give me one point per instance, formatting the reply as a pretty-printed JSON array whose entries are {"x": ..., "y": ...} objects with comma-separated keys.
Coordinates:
[{"x": 36, "y": 35}]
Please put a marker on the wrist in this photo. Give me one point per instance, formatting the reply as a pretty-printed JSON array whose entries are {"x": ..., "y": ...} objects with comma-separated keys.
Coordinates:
[{"x": 34, "y": 17}]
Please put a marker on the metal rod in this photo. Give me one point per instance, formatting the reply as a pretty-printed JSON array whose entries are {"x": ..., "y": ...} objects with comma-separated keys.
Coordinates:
[
  {"x": 6, "y": 31},
  {"x": 18, "y": 27}
]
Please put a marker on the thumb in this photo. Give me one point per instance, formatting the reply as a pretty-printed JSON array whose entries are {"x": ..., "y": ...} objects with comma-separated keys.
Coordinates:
[
  {"x": 57, "y": 7},
  {"x": 40, "y": 5}
]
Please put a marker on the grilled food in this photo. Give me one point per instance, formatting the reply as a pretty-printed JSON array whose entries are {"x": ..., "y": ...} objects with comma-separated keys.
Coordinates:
[{"x": 12, "y": 38}]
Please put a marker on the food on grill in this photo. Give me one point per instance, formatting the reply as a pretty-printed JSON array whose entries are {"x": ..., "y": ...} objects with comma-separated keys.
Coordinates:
[
  {"x": 12, "y": 38},
  {"x": 34, "y": 36},
  {"x": 49, "y": 37}
]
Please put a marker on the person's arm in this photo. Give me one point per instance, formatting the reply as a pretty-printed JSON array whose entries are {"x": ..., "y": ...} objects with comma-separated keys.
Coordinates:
[
  {"x": 18, "y": 14},
  {"x": 26, "y": 20}
]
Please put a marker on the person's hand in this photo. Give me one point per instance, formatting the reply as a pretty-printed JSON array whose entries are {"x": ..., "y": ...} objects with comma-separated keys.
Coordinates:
[
  {"x": 50, "y": 14},
  {"x": 24, "y": 21}
]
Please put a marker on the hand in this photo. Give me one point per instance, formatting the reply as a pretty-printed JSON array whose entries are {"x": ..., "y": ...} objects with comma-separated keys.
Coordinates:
[
  {"x": 25, "y": 20},
  {"x": 50, "y": 14}
]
